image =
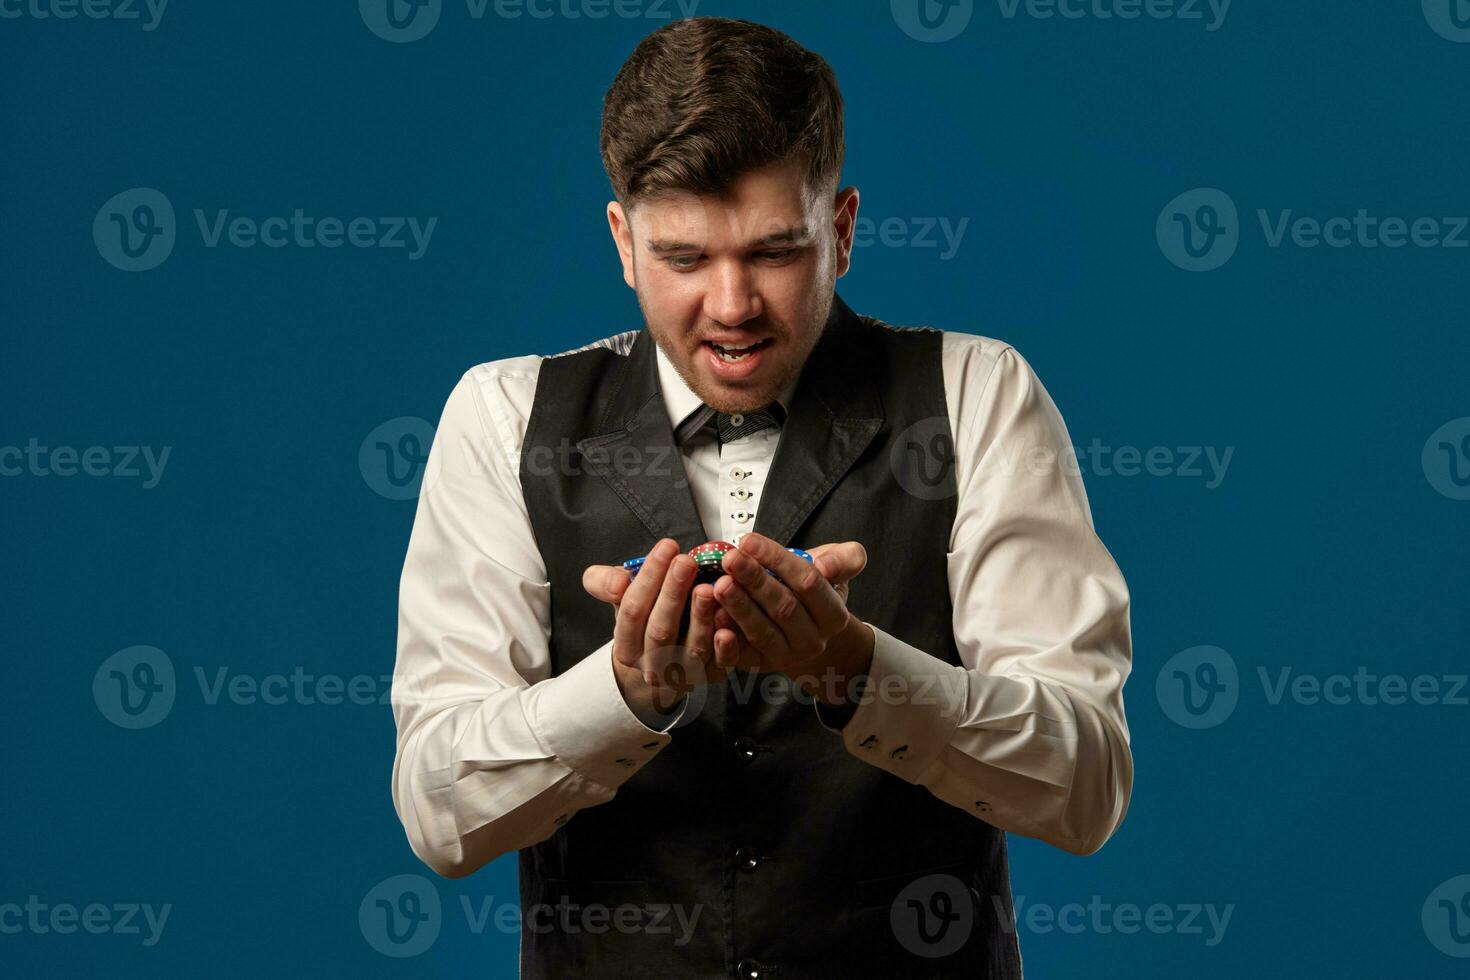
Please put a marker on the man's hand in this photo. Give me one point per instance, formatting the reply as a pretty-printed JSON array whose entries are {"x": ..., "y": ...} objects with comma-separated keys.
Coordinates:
[
  {"x": 839, "y": 563},
  {"x": 799, "y": 625},
  {"x": 612, "y": 584},
  {"x": 655, "y": 666}
]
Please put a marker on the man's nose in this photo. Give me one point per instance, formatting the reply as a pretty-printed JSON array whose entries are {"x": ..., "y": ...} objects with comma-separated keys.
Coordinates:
[{"x": 732, "y": 297}]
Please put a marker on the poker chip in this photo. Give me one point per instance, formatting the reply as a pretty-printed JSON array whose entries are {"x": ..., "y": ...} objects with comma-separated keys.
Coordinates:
[{"x": 707, "y": 558}]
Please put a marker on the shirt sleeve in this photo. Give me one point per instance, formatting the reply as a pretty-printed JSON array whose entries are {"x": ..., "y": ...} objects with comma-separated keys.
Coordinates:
[
  {"x": 1029, "y": 734},
  {"x": 493, "y": 753}
]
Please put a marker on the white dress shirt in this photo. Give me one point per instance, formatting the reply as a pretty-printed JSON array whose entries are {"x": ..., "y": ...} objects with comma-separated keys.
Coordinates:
[{"x": 494, "y": 753}]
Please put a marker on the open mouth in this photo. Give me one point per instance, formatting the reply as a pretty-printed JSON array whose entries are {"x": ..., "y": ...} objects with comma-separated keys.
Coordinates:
[{"x": 734, "y": 355}]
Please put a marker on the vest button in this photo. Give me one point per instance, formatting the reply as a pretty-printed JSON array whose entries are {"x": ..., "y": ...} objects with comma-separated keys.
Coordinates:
[
  {"x": 748, "y": 859},
  {"x": 746, "y": 749},
  {"x": 753, "y": 970}
]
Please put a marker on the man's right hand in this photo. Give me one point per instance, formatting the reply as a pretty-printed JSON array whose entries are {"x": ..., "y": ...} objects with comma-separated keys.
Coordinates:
[{"x": 654, "y": 665}]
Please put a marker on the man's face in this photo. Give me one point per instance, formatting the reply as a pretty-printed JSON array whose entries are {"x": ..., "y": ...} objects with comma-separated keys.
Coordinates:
[{"x": 753, "y": 269}]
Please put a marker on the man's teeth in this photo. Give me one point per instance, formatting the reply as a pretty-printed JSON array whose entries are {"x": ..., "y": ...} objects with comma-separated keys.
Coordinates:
[{"x": 734, "y": 353}]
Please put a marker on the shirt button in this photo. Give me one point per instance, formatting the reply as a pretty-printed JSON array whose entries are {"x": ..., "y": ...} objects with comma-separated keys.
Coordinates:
[
  {"x": 747, "y": 859},
  {"x": 746, "y": 749},
  {"x": 741, "y": 493},
  {"x": 753, "y": 970},
  {"x": 741, "y": 515},
  {"x": 738, "y": 473}
]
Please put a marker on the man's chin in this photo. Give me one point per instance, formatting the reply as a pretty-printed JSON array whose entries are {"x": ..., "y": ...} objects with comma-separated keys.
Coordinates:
[
  {"x": 726, "y": 399},
  {"x": 734, "y": 394}
]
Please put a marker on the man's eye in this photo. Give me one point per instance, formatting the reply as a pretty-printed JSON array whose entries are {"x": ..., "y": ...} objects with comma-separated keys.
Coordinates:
[
  {"x": 681, "y": 262},
  {"x": 777, "y": 254}
]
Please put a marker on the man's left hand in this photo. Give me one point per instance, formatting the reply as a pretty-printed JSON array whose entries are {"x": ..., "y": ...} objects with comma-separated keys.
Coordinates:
[{"x": 798, "y": 622}]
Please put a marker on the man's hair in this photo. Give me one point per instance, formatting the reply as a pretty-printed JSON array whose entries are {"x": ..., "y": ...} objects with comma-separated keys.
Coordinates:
[{"x": 706, "y": 99}]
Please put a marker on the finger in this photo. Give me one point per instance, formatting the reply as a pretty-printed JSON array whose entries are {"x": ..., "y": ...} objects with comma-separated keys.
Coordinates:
[
  {"x": 752, "y": 620},
  {"x": 732, "y": 651},
  {"x": 606, "y": 583},
  {"x": 701, "y": 639},
  {"x": 702, "y": 605},
  {"x": 771, "y": 554},
  {"x": 840, "y": 562},
  {"x": 825, "y": 612},
  {"x": 662, "y": 633},
  {"x": 724, "y": 622},
  {"x": 781, "y": 606},
  {"x": 836, "y": 575},
  {"x": 746, "y": 655},
  {"x": 726, "y": 649},
  {"x": 637, "y": 603}
]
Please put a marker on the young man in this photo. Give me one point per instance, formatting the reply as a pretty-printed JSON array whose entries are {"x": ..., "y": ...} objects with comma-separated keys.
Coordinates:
[{"x": 815, "y": 778}]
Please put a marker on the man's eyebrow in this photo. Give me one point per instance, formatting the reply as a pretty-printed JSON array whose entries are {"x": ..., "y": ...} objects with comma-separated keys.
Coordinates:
[{"x": 793, "y": 235}]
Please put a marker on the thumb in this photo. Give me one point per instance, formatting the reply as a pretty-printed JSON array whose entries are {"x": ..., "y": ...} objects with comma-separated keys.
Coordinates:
[
  {"x": 606, "y": 583},
  {"x": 841, "y": 562}
]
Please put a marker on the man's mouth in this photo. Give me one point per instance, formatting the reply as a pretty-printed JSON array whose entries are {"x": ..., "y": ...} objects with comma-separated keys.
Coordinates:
[{"x": 732, "y": 353}]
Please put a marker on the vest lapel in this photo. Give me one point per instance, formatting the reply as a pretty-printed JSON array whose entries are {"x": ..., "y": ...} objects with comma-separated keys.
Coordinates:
[
  {"x": 635, "y": 451},
  {"x": 835, "y": 413}
]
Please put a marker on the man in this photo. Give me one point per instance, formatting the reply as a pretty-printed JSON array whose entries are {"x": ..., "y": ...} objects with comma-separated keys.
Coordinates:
[{"x": 814, "y": 777}]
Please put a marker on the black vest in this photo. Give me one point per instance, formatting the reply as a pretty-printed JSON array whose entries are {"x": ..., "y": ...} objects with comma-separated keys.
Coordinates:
[{"x": 794, "y": 853}]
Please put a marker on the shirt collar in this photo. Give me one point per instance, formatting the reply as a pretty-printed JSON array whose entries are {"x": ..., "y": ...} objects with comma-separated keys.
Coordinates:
[{"x": 687, "y": 414}]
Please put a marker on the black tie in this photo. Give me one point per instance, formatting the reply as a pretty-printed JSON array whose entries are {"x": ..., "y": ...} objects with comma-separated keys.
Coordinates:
[{"x": 740, "y": 424}]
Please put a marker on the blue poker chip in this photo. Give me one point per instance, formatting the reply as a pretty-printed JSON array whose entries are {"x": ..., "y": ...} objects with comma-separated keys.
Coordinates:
[{"x": 798, "y": 553}]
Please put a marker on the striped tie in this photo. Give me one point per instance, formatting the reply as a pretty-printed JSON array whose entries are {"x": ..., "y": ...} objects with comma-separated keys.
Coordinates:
[{"x": 741, "y": 424}]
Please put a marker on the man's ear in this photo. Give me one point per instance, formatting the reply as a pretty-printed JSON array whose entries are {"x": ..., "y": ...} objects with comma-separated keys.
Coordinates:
[
  {"x": 844, "y": 222},
  {"x": 622, "y": 232}
]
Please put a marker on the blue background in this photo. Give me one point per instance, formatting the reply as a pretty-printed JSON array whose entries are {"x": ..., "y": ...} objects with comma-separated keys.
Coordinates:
[{"x": 264, "y": 548}]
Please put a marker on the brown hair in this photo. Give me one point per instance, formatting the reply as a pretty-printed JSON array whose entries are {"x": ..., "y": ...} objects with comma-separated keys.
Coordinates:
[{"x": 703, "y": 100}]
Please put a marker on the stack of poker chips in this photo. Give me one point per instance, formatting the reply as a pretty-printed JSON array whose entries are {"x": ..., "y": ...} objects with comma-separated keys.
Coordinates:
[{"x": 707, "y": 558}]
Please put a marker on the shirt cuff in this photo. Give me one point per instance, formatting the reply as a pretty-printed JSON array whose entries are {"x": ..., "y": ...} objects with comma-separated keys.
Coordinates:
[
  {"x": 582, "y": 717},
  {"x": 907, "y": 709}
]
